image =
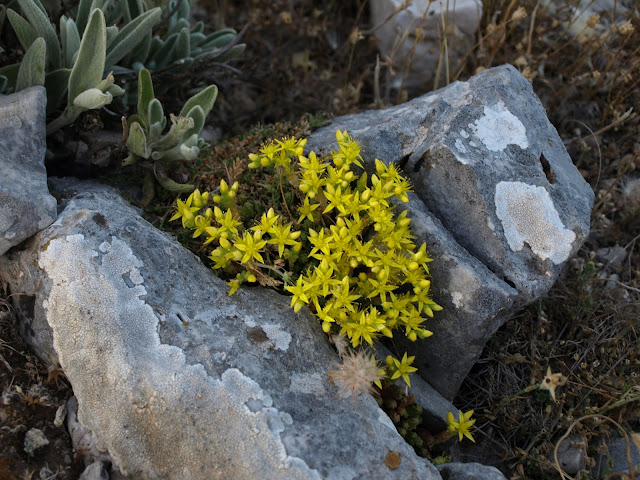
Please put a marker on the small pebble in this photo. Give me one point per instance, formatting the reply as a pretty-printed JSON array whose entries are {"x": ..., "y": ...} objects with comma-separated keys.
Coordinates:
[
  {"x": 34, "y": 439},
  {"x": 61, "y": 414}
]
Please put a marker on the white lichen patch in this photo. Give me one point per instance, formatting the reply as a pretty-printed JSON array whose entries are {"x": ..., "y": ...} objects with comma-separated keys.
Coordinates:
[
  {"x": 499, "y": 128},
  {"x": 464, "y": 134},
  {"x": 457, "y": 299},
  {"x": 158, "y": 416},
  {"x": 529, "y": 216},
  {"x": 311, "y": 383},
  {"x": 460, "y": 146}
]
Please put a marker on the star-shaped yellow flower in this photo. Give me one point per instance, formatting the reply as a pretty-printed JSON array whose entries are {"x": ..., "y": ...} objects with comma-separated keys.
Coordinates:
[{"x": 463, "y": 424}]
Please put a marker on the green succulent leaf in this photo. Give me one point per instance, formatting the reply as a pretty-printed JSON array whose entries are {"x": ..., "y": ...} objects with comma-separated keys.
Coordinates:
[
  {"x": 183, "y": 44},
  {"x": 231, "y": 53},
  {"x": 92, "y": 98},
  {"x": 165, "y": 55},
  {"x": 10, "y": 72},
  {"x": 198, "y": 116},
  {"x": 112, "y": 32},
  {"x": 155, "y": 113},
  {"x": 132, "y": 9},
  {"x": 137, "y": 141},
  {"x": 24, "y": 31},
  {"x": 131, "y": 35},
  {"x": 173, "y": 186},
  {"x": 42, "y": 26},
  {"x": 175, "y": 136},
  {"x": 205, "y": 99},
  {"x": 145, "y": 94},
  {"x": 85, "y": 7},
  {"x": 31, "y": 70},
  {"x": 88, "y": 68},
  {"x": 70, "y": 38}
]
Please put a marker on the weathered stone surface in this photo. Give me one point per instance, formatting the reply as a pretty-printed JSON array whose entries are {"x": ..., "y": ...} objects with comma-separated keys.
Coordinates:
[
  {"x": 469, "y": 471},
  {"x": 396, "y": 34},
  {"x": 95, "y": 471},
  {"x": 476, "y": 303},
  {"x": 571, "y": 454},
  {"x": 487, "y": 166},
  {"x": 614, "y": 461},
  {"x": 27, "y": 206},
  {"x": 174, "y": 378}
]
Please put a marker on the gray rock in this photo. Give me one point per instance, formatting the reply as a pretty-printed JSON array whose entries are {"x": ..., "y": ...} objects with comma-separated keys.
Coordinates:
[
  {"x": 34, "y": 439},
  {"x": 27, "y": 206},
  {"x": 469, "y": 471},
  {"x": 95, "y": 471},
  {"x": 396, "y": 34},
  {"x": 614, "y": 460},
  {"x": 174, "y": 378},
  {"x": 492, "y": 171},
  {"x": 571, "y": 454}
]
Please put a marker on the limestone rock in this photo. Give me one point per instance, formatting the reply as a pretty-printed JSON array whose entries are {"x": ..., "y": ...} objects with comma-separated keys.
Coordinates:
[
  {"x": 174, "y": 378},
  {"x": 469, "y": 471},
  {"x": 397, "y": 34},
  {"x": 494, "y": 186},
  {"x": 27, "y": 206}
]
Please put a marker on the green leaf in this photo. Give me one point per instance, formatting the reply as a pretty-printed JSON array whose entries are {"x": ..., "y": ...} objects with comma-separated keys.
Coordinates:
[
  {"x": 32, "y": 67},
  {"x": 179, "y": 126},
  {"x": 164, "y": 55},
  {"x": 145, "y": 94},
  {"x": 70, "y": 38},
  {"x": 24, "y": 31},
  {"x": 155, "y": 113},
  {"x": 92, "y": 98},
  {"x": 56, "y": 83},
  {"x": 88, "y": 68},
  {"x": 43, "y": 28},
  {"x": 205, "y": 99},
  {"x": 232, "y": 53},
  {"x": 198, "y": 116},
  {"x": 132, "y": 34},
  {"x": 137, "y": 141},
  {"x": 112, "y": 32},
  {"x": 3, "y": 83},
  {"x": 10, "y": 72},
  {"x": 84, "y": 10},
  {"x": 183, "y": 44}
]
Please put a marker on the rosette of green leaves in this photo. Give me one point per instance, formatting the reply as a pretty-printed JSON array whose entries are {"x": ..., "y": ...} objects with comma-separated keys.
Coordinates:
[{"x": 155, "y": 150}]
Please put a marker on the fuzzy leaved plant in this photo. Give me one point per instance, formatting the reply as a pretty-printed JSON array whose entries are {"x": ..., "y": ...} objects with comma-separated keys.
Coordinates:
[{"x": 152, "y": 148}]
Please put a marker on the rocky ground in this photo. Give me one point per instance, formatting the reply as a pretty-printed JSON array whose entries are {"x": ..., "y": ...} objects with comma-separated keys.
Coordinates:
[{"x": 309, "y": 57}]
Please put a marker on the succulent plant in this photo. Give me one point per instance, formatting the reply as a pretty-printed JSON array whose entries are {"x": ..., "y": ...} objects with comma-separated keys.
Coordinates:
[{"x": 147, "y": 144}]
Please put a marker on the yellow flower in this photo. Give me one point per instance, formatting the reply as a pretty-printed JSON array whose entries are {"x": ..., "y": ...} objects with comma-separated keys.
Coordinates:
[
  {"x": 402, "y": 368},
  {"x": 463, "y": 424}
]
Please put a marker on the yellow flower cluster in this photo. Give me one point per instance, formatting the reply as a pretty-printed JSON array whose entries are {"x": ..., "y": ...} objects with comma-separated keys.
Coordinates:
[{"x": 365, "y": 276}]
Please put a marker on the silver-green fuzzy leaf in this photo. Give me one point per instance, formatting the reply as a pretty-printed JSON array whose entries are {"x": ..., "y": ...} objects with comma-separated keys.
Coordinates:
[
  {"x": 205, "y": 99},
  {"x": 92, "y": 98},
  {"x": 137, "y": 141},
  {"x": 88, "y": 68},
  {"x": 43, "y": 28},
  {"x": 70, "y": 38},
  {"x": 24, "y": 31},
  {"x": 32, "y": 67},
  {"x": 131, "y": 35}
]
